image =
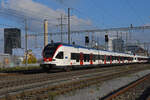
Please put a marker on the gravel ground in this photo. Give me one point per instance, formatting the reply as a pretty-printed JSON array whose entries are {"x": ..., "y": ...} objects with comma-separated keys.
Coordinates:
[{"x": 102, "y": 89}]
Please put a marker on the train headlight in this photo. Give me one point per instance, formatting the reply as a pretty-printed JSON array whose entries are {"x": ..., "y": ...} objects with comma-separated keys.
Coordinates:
[{"x": 50, "y": 59}]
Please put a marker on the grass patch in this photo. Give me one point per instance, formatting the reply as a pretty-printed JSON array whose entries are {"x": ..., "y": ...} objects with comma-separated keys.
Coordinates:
[{"x": 18, "y": 68}]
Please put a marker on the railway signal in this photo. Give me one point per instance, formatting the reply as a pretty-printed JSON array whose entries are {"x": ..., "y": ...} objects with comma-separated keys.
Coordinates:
[
  {"x": 86, "y": 40},
  {"x": 106, "y": 38}
]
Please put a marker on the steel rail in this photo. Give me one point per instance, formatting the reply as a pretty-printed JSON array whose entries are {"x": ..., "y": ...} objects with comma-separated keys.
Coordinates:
[
  {"x": 69, "y": 86},
  {"x": 54, "y": 80},
  {"x": 97, "y": 30},
  {"x": 20, "y": 80},
  {"x": 122, "y": 91}
]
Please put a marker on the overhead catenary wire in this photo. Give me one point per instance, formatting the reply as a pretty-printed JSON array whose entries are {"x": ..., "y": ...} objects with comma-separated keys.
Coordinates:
[
  {"x": 79, "y": 11},
  {"x": 132, "y": 8},
  {"x": 11, "y": 26},
  {"x": 25, "y": 10},
  {"x": 20, "y": 16},
  {"x": 39, "y": 20}
]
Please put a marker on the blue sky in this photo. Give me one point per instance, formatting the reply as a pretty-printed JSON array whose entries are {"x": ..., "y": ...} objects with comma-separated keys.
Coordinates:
[
  {"x": 107, "y": 13},
  {"x": 87, "y": 14},
  {"x": 103, "y": 13}
]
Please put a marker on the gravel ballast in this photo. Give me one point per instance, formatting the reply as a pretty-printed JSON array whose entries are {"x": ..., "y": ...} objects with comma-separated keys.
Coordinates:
[{"x": 97, "y": 91}]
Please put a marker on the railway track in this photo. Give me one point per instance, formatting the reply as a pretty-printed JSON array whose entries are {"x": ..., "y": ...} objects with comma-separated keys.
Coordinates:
[
  {"x": 53, "y": 79},
  {"x": 17, "y": 79},
  {"x": 2, "y": 75},
  {"x": 29, "y": 79},
  {"x": 59, "y": 83},
  {"x": 137, "y": 90}
]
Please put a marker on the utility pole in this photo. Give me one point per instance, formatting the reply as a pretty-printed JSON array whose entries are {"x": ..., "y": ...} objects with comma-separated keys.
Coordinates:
[
  {"x": 26, "y": 43},
  {"x": 121, "y": 34},
  {"x": 50, "y": 36},
  {"x": 36, "y": 45},
  {"x": 126, "y": 37},
  {"x": 148, "y": 49},
  {"x": 126, "y": 42},
  {"x": 61, "y": 26},
  {"x": 117, "y": 35},
  {"x": 68, "y": 25},
  {"x": 92, "y": 44}
]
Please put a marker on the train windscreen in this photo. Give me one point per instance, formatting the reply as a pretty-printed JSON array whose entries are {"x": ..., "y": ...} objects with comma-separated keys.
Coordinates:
[{"x": 49, "y": 51}]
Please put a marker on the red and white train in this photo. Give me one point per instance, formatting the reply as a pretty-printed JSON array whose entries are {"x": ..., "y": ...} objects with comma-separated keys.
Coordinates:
[{"x": 58, "y": 55}]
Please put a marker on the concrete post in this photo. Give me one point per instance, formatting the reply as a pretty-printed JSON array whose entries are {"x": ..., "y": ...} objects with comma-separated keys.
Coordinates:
[{"x": 45, "y": 32}]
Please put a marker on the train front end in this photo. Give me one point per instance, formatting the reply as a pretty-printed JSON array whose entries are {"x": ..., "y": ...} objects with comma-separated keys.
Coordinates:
[{"x": 48, "y": 56}]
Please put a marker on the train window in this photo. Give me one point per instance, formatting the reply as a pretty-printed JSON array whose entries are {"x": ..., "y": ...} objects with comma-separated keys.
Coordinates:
[
  {"x": 125, "y": 58},
  {"x": 73, "y": 56},
  {"x": 113, "y": 58},
  {"x": 49, "y": 51},
  {"x": 102, "y": 57},
  {"x": 88, "y": 57},
  {"x": 128, "y": 58},
  {"x": 85, "y": 57},
  {"x": 131, "y": 58},
  {"x": 120, "y": 58},
  {"x": 94, "y": 58},
  {"x": 116, "y": 58},
  {"x": 108, "y": 58},
  {"x": 77, "y": 57},
  {"x": 60, "y": 55},
  {"x": 99, "y": 57}
]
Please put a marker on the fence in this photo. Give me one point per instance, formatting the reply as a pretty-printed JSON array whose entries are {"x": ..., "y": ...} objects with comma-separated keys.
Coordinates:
[{"x": 7, "y": 60}]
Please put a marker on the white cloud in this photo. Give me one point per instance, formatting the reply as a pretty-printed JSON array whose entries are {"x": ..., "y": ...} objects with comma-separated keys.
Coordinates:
[{"x": 38, "y": 12}]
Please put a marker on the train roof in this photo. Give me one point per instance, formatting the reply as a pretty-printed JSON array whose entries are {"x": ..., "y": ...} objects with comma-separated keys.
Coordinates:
[{"x": 77, "y": 46}]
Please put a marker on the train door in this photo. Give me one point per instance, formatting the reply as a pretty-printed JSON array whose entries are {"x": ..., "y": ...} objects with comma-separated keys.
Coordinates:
[
  {"x": 67, "y": 58},
  {"x": 110, "y": 59},
  {"x": 60, "y": 58},
  {"x": 128, "y": 59},
  {"x": 105, "y": 59},
  {"x": 81, "y": 58},
  {"x": 91, "y": 57},
  {"x": 123, "y": 59},
  {"x": 119, "y": 59}
]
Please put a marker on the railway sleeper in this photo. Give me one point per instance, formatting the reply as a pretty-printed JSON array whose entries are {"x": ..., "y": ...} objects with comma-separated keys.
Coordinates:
[{"x": 76, "y": 87}]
